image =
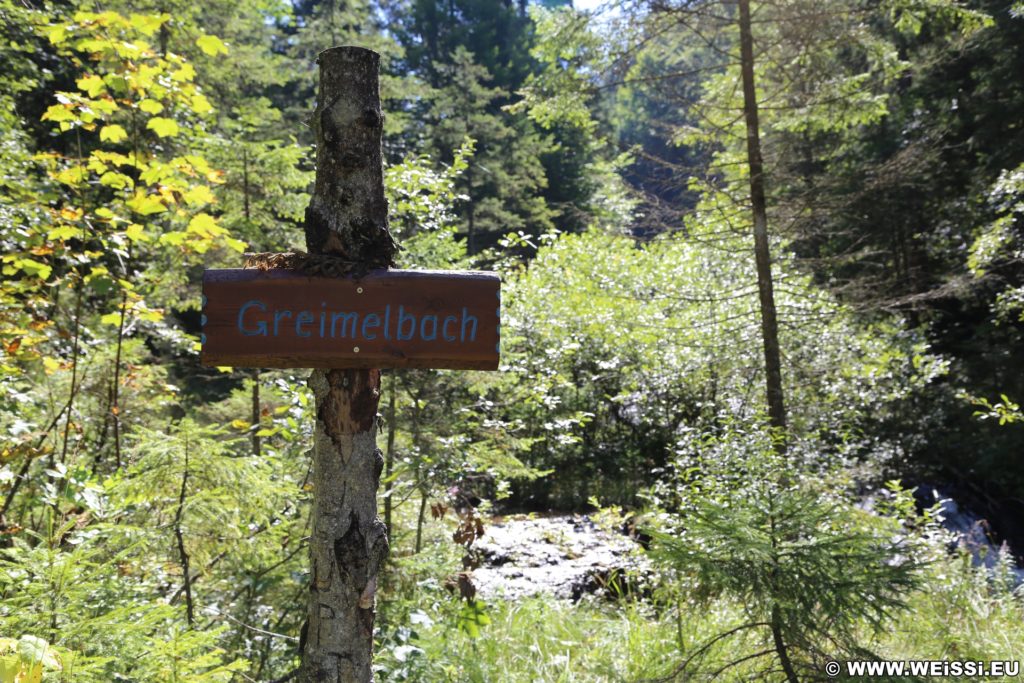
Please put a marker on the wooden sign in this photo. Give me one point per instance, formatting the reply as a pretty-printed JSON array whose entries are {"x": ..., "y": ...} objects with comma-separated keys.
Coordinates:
[{"x": 385, "y": 319}]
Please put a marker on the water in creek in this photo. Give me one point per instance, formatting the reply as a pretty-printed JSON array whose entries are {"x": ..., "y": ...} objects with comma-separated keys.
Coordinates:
[
  {"x": 569, "y": 556},
  {"x": 566, "y": 556}
]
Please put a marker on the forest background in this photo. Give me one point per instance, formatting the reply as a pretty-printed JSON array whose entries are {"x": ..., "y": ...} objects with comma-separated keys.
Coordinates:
[{"x": 153, "y": 513}]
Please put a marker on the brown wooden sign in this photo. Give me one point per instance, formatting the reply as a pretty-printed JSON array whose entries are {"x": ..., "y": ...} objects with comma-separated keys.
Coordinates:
[{"x": 385, "y": 319}]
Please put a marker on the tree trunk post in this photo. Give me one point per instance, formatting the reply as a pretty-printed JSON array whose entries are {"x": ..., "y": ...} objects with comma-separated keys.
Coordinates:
[
  {"x": 762, "y": 254},
  {"x": 347, "y": 218}
]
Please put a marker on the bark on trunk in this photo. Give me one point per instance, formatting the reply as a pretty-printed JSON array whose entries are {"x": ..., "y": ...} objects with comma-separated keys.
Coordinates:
[
  {"x": 347, "y": 216},
  {"x": 762, "y": 255}
]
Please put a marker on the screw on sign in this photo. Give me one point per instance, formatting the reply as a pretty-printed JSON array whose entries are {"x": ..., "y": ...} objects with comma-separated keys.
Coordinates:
[{"x": 342, "y": 310}]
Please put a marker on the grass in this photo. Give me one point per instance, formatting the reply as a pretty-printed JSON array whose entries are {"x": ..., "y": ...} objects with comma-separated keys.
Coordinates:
[
  {"x": 961, "y": 613},
  {"x": 964, "y": 613}
]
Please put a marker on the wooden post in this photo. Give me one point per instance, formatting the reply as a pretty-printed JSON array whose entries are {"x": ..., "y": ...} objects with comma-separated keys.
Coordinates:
[
  {"x": 343, "y": 310},
  {"x": 347, "y": 217}
]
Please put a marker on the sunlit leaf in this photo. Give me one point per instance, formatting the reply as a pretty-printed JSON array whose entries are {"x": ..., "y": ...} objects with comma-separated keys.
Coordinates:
[
  {"x": 91, "y": 84},
  {"x": 175, "y": 238},
  {"x": 185, "y": 73},
  {"x": 211, "y": 45},
  {"x": 136, "y": 233},
  {"x": 200, "y": 104},
  {"x": 148, "y": 24},
  {"x": 204, "y": 225},
  {"x": 58, "y": 112},
  {"x": 118, "y": 181},
  {"x": 145, "y": 204},
  {"x": 113, "y": 133},
  {"x": 199, "y": 194},
  {"x": 73, "y": 176},
  {"x": 162, "y": 126},
  {"x": 37, "y": 651},
  {"x": 57, "y": 34},
  {"x": 236, "y": 245},
  {"x": 151, "y": 106},
  {"x": 152, "y": 315},
  {"x": 34, "y": 268},
  {"x": 64, "y": 232}
]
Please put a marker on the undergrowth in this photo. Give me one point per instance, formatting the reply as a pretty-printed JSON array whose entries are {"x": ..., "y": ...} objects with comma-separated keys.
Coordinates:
[{"x": 960, "y": 612}]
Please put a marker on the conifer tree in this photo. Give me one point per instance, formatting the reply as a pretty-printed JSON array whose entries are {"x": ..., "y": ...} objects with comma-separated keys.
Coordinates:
[{"x": 504, "y": 180}]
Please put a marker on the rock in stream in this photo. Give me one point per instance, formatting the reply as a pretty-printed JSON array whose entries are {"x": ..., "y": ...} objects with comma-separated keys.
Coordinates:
[{"x": 565, "y": 556}]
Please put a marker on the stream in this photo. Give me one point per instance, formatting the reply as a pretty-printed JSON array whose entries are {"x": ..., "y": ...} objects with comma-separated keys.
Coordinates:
[
  {"x": 569, "y": 555},
  {"x": 565, "y": 556}
]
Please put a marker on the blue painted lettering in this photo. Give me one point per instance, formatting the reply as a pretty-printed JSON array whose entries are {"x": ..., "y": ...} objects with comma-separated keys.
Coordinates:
[
  {"x": 449, "y": 319},
  {"x": 405, "y": 318},
  {"x": 303, "y": 318},
  {"x": 433, "y": 328},
  {"x": 345, "y": 319},
  {"x": 466, "y": 318},
  {"x": 371, "y": 321},
  {"x": 261, "y": 326},
  {"x": 277, "y": 318}
]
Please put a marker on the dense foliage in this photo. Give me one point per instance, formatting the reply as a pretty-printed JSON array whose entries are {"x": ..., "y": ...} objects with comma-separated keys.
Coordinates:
[{"x": 154, "y": 513}]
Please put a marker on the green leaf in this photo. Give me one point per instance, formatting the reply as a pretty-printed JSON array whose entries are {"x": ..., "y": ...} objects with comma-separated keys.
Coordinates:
[
  {"x": 174, "y": 238},
  {"x": 57, "y": 34},
  {"x": 148, "y": 24},
  {"x": 186, "y": 73},
  {"x": 199, "y": 194},
  {"x": 472, "y": 616},
  {"x": 163, "y": 127},
  {"x": 151, "y": 106},
  {"x": 204, "y": 225},
  {"x": 37, "y": 651},
  {"x": 58, "y": 112},
  {"x": 236, "y": 245},
  {"x": 146, "y": 204},
  {"x": 64, "y": 232},
  {"x": 118, "y": 181},
  {"x": 73, "y": 176},
  {"x": 113, "y": 133},
  {"x": 34, "y": 268},
  {"x": 136, "y": 233},
  {"x": 211, "y": 45},
  {"x": 200, "y": 104},
  {"x": 92, "y": 84},
  {"x": 10, "y": 667},
  {"x": 150, "y": 314}
]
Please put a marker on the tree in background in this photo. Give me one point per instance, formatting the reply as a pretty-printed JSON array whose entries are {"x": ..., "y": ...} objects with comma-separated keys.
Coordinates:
[{"x": 475, "y": 57}]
